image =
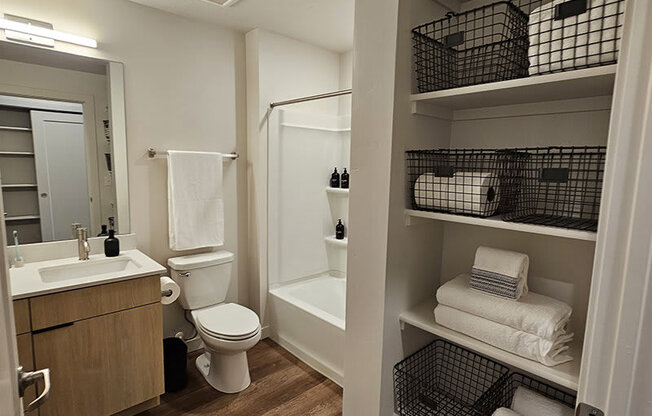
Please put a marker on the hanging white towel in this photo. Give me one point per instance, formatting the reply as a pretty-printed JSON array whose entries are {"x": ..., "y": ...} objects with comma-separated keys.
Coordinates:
[
  {"x": 195, "y": 202},
  {"x": 533, "y": 313},
  {"x": 590, "y": 38},
  {"x": 503, "y": 411},
  {"x": 530, "y": 403},
  {"x": 549, "y": 353}
]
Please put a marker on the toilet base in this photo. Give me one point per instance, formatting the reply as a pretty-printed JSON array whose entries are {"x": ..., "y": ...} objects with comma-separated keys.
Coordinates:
[{"x": 228, "y": 373}]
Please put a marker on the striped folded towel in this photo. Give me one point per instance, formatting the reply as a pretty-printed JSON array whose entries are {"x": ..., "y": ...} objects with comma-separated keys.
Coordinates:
[{"x": 495, "y": 284}]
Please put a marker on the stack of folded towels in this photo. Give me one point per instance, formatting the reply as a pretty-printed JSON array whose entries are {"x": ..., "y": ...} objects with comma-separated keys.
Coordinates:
[
  {"x": 532, "y": 326},
  {"x": 500, "y": 272},
  {"x": 529, "y": 403}
]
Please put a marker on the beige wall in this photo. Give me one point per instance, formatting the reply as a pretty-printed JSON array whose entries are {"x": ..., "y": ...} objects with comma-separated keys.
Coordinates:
[{"x": 185, "y": 89}]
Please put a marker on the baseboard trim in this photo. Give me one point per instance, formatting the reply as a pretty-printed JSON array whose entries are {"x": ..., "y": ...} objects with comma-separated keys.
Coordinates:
[{"x": 310, "y": 360}]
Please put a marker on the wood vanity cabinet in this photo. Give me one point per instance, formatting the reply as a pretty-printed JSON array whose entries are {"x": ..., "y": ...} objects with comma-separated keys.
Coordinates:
[{"x": 103, "y": 346}]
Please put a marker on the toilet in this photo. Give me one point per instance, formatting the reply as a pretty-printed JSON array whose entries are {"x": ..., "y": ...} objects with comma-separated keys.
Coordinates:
[{"x": 228, "y": 330}]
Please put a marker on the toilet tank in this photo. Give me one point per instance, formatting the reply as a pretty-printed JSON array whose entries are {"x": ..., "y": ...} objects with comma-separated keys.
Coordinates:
[{"x": 203, "y": 278}]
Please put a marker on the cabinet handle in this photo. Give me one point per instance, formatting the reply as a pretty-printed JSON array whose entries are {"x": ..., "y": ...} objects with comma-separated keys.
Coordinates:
[
  {"x": 27, "y": 378},
  {"x": 52, "y": 328}
]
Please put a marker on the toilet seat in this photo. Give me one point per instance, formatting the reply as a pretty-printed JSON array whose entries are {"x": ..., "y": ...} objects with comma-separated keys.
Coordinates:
[{"x": 227, "y": 321}]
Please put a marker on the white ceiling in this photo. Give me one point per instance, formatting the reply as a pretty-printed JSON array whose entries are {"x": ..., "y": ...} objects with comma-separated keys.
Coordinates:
[{"x": 326, "y": 23}]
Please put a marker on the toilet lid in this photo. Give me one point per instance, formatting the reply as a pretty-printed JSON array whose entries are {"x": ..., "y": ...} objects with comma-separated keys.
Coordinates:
[{"x": 228, "y": 321}]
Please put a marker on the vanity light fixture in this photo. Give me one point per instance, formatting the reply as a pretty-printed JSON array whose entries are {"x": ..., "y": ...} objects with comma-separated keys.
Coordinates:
[{"x": 26, "y": 30}]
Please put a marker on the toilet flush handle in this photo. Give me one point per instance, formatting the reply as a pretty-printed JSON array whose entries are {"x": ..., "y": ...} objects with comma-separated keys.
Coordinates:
[{"x": 184, "y": 274}]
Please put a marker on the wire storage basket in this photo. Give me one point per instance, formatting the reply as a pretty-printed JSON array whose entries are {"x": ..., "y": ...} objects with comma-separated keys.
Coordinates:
[
  {"x": 566, "y": 35},
  {"x": 482, "y": 45},
  {"x": 502, "y": 394},
  {"x": 461, "y": 181},
  {"x": 556, "y": 186},
  {"x": 444, "y": 379}
]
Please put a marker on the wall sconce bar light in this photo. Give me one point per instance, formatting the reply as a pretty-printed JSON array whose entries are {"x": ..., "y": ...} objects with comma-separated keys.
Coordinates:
[{"x": 41, "y": 33}]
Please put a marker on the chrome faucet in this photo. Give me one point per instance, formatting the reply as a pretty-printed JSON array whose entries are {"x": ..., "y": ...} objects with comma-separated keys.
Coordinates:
[{"x": 82, "y": 243}]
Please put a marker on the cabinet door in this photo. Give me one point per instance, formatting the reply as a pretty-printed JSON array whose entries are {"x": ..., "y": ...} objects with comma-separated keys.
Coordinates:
[{"x": 103, "y": 365}]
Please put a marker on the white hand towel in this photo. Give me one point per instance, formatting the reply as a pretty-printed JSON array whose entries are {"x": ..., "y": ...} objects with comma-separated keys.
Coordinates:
[
  {"x": 529, "y": 403},
  {"x": 503, "y": 262},
  {"x": 533, "y": 313},
  {"x": 590, "y": 38},
  {"x": 549, "y": 353},
  {"x": 503, "y": 411},
  {"x": 474, "y": 193},
  {"x": 195, "y": 203}
]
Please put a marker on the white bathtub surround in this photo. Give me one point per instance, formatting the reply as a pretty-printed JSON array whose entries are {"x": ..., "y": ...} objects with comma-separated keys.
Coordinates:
[
  {"x": 308, "y": 319},
  {"x": 195, "y": 200}
]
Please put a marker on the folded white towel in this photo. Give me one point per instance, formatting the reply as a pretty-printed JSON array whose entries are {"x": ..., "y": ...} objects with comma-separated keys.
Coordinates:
[
  {"x": 521, "y": 343},
  {"x": 474, "y": 193},
  {"x": 503, "y": 411},
  {"x": 195, "y": 204},
  {"x": 503, "y": 265},
  {"x": 533, "y": 313},
  {"x": 590, "y": 38},
  {"x": 529, "y": 403}
]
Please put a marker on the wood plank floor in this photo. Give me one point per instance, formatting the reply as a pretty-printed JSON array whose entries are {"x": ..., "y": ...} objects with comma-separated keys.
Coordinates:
[{"x": 280, "y": 385}]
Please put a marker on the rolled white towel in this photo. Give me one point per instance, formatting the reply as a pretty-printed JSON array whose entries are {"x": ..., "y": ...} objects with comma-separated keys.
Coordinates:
[
  {"x": 474, "y": 193},
  {"x": 533, "y": 313},
  {"x": 590, "y": 38},
  {"x": 529, "y": 403},
  {"x": 503, "y": 411},
  {"x": 549, "y": 353}
]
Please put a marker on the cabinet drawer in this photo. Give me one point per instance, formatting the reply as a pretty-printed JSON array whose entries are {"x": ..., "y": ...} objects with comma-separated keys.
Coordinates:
[
  {"x": 65, "y": 307},
  {"x": 21, "y": 316}
]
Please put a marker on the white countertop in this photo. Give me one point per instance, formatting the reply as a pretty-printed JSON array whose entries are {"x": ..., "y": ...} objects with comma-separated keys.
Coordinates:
[{"x": 26, "y": 281}]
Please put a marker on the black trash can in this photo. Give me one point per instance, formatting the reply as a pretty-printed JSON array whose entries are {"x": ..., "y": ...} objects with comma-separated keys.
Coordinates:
[{"x": 175, "y": 353}]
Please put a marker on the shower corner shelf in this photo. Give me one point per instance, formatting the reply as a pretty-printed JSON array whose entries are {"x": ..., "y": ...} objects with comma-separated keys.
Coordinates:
[
  {"x": 565, "y": 375},
  {"x": 413, "y": 217},
  {"x": 580, "y": 83},
  {"x": 337, "y": 243},
  {"x": 337, "y": 191}
]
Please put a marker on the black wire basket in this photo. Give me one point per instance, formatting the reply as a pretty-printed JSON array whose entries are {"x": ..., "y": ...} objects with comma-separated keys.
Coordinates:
[
  {"x": 566, "y": 35},
  {"x": 461, "y": 181},
  {"x": 556, "y": 186},
  {"x": 502, "y": 393},
  {"x": 444, "y": 379},
  {"x": 482, "y": 45}
]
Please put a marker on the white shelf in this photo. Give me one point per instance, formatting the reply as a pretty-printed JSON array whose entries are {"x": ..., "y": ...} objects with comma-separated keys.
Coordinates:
[
  {"x": 496, "y": 222},
  {"x": 20, "y": 186},
  {"x": 337, "y": 243},
  {"x": 22, "y": 218},
  {"x": 581, "y": 83},
  {"x": 565, "y": 375},
  {"x": 337, "y": 191},
  {"x": 10, "y": 128},
  {"x": 29, "y": 154}
]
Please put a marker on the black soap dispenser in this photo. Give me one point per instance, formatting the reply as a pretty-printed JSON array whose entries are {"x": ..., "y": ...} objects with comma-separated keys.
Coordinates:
[
  {"x": 104, "y": 232},
  {"x": 345, "y": 179},
  {"x": 335, "y": 179},
  {"x": 339, "y": 230},
  {"x": 111, "y": 245}
]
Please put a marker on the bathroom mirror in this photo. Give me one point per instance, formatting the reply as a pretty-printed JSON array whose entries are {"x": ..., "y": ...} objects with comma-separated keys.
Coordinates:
[{"x": 62, "y": 144}]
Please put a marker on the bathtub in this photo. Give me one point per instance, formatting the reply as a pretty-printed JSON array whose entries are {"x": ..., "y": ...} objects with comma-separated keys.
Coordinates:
[{"x": 308, "y": 319}]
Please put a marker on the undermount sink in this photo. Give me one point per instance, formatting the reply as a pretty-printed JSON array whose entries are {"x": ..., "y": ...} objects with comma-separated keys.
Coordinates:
[{"x": 87, "y": 269}]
